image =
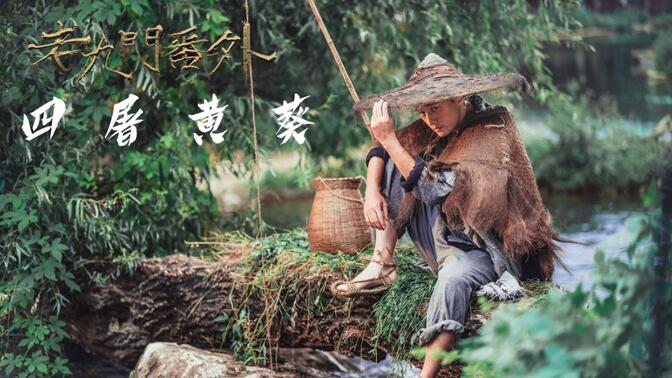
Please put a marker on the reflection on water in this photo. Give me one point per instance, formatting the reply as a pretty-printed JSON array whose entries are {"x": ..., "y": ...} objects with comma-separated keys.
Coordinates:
[
  {"x": 84, "y": 364},
  {"x": 288, "y": 214},
  {"x": 389, "y": 367},
  {"x": 589, "y": 220},
  {"x": 327, "y": 364}
]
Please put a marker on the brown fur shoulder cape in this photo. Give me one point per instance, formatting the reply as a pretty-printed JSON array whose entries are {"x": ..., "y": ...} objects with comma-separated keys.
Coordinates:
[{"x": 495, "y": 188}]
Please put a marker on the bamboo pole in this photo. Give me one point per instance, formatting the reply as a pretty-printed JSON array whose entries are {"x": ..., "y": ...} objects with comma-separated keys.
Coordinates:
[
  {"x": 339, "y": 63},
  {"x": 250, "y": 83}
]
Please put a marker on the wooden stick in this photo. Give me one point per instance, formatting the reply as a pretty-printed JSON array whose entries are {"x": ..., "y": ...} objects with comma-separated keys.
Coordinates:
[
  {"x": 339, "y": 63},
  {"x": 250, "y": 83}
]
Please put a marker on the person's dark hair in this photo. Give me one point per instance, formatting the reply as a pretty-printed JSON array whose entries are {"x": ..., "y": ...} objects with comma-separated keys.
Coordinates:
[{"x": 478, "y": 103}]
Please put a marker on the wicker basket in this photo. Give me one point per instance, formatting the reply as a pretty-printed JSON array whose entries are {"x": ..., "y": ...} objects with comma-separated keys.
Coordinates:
[{"x": 337, "y": 220}]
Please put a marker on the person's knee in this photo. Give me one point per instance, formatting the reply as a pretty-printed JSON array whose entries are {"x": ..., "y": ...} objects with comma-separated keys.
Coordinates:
[
  {"x": 452, "y": 270},
  {"x": 453, "y": 283}
]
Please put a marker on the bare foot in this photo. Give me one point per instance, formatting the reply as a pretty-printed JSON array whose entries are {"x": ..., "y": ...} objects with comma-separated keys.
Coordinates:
[{"x": 373, "y": 270}]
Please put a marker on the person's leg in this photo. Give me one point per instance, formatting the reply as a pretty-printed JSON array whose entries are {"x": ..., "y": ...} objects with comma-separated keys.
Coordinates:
[
  {"x": 460, "y": 274},
  {"x": 384, "y": 240},
  {"x": 444, "y": 341},
  {"x": 384, "y": 245}
]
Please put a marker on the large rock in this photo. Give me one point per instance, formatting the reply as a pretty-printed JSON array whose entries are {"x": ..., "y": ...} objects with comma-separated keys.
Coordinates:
[{"x": 173, "y": 360}]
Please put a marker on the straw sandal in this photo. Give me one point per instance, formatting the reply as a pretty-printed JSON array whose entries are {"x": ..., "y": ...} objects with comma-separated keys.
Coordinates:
[{"x": 383, "y": 282}]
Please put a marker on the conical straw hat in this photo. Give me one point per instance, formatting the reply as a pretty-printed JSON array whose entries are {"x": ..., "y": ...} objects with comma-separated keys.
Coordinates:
[{"x": 435, "y": 79}]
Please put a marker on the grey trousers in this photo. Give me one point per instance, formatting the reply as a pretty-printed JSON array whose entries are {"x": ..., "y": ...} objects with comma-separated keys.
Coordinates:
[{"x": 459, "y": 273}]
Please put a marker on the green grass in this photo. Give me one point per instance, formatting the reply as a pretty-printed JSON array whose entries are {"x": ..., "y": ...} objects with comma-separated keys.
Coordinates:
[{"x": 292, "y": 283}]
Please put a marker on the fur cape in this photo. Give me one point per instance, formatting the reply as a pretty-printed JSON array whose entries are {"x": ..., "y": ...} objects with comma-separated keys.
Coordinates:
[{"x": 495, "y": 189}]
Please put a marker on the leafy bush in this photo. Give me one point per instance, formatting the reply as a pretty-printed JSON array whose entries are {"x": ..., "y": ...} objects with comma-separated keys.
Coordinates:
[
  {"x": 77, "y": 197},
  {"x": 591, "y": 149}
]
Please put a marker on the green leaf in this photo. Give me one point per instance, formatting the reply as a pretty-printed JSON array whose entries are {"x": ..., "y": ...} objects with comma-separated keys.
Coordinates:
[
  {"x": 136, "y": 8},
  {"x": 31, "y": 218},
  {"x": 48, "y": 268},
  {"x": 111, "y": 18},
  {"x": 56, "y": 249},
  {"x": 42, "y": 368}
]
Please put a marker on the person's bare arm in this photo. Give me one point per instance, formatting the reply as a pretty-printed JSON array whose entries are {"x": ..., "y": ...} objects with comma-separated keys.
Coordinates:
[
  {"x": 416, "y": 177},
  {"x": 375, "y": 206},
  {"x": 374, "y": 174},
  {"x": 401, "y": 158},
  {"x": 382, "y": 128}
]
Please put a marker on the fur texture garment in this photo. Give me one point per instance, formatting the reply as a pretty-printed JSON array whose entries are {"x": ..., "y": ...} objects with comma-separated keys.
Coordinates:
[{"x": 495, "y": 188}]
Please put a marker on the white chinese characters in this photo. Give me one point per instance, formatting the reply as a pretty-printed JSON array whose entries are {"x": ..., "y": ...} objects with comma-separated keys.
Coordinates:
[
  {"x": 289, "y": 118},
  {"x": 48, "y": 121},
  {"x": 208, "y": 120},
  {"x": 123, "y": 123}
]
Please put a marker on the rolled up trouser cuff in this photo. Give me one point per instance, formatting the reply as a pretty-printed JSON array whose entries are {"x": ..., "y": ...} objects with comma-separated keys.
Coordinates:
[{"x": 428, "y": 334}]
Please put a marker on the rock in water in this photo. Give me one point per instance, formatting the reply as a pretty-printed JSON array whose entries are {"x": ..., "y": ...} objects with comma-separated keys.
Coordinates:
[{"x": 163, "y": 359}]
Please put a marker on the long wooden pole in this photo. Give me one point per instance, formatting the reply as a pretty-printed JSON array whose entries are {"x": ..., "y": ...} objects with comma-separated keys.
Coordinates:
[
  {"x": 339, "y": 63},
  {"x": 250, "y": 83},
  {"x": 260, "y": 232}
]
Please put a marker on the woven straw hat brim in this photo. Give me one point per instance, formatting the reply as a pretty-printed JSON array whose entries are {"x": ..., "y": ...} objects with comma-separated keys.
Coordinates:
[{"x": 443, "y": 87}]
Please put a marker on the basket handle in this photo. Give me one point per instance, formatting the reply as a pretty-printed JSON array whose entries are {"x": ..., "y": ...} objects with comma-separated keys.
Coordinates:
[{"x": 360, "y": 200}]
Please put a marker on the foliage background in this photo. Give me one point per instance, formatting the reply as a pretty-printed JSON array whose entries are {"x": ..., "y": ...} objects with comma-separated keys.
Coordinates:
[{"x": 76, "y": 198}]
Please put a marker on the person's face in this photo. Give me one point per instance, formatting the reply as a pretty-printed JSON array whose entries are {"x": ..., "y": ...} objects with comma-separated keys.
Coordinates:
[{"x": 442, "y": 116}]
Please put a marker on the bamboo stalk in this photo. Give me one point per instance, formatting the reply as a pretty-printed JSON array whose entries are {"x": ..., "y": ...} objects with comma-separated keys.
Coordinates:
[{"x": 339, "y": 63}]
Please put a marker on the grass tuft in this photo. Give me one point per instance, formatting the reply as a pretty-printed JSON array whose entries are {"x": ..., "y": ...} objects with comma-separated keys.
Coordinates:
[{"x": 292, "y": 283}]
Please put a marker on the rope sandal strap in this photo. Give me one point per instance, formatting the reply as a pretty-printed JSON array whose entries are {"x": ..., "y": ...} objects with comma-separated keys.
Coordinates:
[
  {"x": 382, "y": 263},
  {"x": 383, "y": 282},
  {"x": 386, "y": 280},
  {"x": 383, "y": 278}
]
